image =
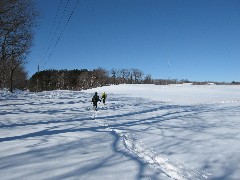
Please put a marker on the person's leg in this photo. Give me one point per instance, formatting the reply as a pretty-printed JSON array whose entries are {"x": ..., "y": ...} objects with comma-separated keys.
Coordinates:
[{"x": 94, "y": 105}]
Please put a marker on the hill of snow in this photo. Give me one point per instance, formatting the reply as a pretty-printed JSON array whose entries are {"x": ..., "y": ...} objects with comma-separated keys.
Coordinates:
[{"x": 143, "y": 132}]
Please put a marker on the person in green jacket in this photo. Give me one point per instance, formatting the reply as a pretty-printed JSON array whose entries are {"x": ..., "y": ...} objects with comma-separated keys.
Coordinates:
[{"x": 104, "y": 96}]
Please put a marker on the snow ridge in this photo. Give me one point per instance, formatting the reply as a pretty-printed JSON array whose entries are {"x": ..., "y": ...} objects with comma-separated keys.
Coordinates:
[{"x": 173, "y": 169}]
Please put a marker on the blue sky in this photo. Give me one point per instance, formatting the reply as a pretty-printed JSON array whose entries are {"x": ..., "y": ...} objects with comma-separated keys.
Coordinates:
[{"x": 182, "y": 39}]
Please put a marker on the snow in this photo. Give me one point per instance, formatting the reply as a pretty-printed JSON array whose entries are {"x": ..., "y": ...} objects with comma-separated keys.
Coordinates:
[{"x": 143, "y": 132}]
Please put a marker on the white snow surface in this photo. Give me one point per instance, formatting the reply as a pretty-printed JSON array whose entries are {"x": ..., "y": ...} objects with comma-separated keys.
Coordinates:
[{"x": 180, "y": 132}]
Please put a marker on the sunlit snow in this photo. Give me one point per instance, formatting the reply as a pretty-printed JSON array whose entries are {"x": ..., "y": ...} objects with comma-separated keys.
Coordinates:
[{"x": 143, "y": 132}]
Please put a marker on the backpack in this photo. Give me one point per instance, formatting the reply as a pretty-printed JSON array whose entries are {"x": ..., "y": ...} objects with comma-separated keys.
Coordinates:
[{"x": 95, "y": 98}]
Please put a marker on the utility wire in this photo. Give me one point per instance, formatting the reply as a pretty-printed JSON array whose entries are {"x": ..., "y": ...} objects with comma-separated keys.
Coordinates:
[
  {"x": 64, "y": 28},
  {"x": 56, "y": 30},
  {"x": 52, "y": 45},
  {"x": 60, "y": 20},
  {"x": 51, "y": 31},
  {"x": 55, "y": 19}
]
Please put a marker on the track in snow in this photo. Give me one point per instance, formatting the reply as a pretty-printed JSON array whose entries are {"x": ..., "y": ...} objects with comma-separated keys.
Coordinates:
[{"x": 173, "y": 169}]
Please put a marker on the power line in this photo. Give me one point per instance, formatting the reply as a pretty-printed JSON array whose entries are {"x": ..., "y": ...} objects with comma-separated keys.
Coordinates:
[
  {"x": 60, "y": 20},
  {"x": 55, "y": 19},
  {"x": 51, "y": 31},
  {"x": 64, "y": 28}
]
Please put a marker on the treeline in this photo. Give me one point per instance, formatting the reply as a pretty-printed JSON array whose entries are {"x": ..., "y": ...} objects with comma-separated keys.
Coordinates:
[
  {"x": 185, "y": 81},
  {"x": 84, "y": 79},
  {"x": 48, "y": 80}
]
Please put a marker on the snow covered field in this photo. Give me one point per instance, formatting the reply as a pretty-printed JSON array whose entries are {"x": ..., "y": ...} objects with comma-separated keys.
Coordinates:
[{"x": 143, "y": 132}]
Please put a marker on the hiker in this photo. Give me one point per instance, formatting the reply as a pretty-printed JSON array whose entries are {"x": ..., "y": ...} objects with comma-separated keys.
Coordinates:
[
  {"x": 104, "y": 96},
  {"x": 95, "y": 100}
]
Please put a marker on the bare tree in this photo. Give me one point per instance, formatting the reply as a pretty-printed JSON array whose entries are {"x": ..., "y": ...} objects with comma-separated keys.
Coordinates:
[
  {"x": 148, "y": 79},
  {"x": 114, "y": 73},
  {"x": 100, "y": 77},
  {"x": 137, "y": 75},
  {"x": 17, "y": 19},
  {"x": 124, "y": 75},
  {"x": 20, "y": 79}
]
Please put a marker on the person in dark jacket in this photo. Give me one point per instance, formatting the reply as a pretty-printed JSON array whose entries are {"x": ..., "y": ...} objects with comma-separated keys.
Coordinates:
[{"x": 95, "y": 100}]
